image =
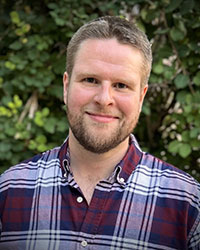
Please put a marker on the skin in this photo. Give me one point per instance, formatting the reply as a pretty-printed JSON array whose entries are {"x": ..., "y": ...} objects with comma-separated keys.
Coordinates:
[{"x": 104, "y": 99}]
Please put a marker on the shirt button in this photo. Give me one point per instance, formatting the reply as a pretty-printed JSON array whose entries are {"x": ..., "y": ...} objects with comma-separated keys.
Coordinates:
[
  {"x": 121, "y": 180},
  {"x": 79, "y": 199},
  {"x": 84, "y": 243}
]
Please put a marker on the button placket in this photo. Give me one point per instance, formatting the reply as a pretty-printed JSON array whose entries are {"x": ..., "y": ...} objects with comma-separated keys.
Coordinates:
[
  {"x": 84, "y": 243},
  {"x": 121, "y": 180},
  {"x": 79, "y": 199}
]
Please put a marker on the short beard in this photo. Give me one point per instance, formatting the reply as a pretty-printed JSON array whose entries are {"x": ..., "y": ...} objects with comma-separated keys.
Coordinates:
[{"x": 94, "y": 144}]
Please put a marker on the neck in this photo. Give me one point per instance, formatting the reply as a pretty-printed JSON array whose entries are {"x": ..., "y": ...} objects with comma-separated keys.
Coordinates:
[
  {"x": 89, "y": 168},
  {"x": 98, "y": 166}
]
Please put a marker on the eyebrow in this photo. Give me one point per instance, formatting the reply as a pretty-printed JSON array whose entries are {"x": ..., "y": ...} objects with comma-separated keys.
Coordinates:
[{"x": 86, "y": 74}]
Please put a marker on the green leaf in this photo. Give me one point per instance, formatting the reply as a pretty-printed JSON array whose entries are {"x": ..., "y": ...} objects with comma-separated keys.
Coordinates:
[
  {"x": 187, "y": 6},
  {"x": 29, "y": 80},
  {"x": 146, "y": 108},
  {"x": 32, "y": 54},
  {"x": 181, "y": 81},
  {"x": 169, "y": 73},
  {"x": 10, "y": 65},
  {"x": 62, "y": 125},
  {"x": 181, "y": 26},
  {"x": 196, "y": 79},
  {"x": 185, "y": 136},
  {"x": 174, "y": 4},
  {"x": 1, "y": 82},
  {"x": 189, "y": 99},
  {"x": 197, "y": 120},
  {"x": 173, "y": 146},
  {"x": 41, "y": 148},
  {"x": 50, "y": 125},
  {"x": 15, "y": 17},
  {"x": 185, "y": 150},
  {"x": 164, "y": 52},
  {"x": 195, "y": 143},
  {"x": 188, "y": 110},
  {"x": 17, "y": 101},
  {"x": 194, "y": 132},
  {"x": 176, "y": 34},
  {"x": 5, "y": 147},
  {"x": 16, "y": 45},
  {"x": 181, "y": 95},
  {"x": 10, "y": 131},
  {"x": 56, "y": 91},
  {"x": 141, "y": 26},
  {"x": 161, "y": 31},
  {"x": 190, "y": 117},
  {"x": 144, "y": 13},
  {"x": 32, "y": 145},
  {"x": 158, "y": 68},
  {"x": 52, "y": 5},
  {"x": 41, "y": 139},
  {"x": 25, "y": 28},
  {"x": 152, "y": 15},
  {"x": 39, "y": 121},
  {"x": 45, "y": 112},
  {"x": 183, "y": 50}
]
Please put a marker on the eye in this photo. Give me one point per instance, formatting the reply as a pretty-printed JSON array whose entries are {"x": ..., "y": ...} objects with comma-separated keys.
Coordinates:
[
  {"x": 90, "y": 80},
  {"x": 120, "y": 85}
]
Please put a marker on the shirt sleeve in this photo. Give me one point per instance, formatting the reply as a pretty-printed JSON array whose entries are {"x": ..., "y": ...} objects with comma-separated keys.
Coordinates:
[
  {"x": 194, "y": 236},
  {"x": 194, "y": 243}
]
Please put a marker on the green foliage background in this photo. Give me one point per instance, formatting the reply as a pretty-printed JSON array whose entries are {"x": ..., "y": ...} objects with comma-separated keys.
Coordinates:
[{"x": 33, "y": 39}]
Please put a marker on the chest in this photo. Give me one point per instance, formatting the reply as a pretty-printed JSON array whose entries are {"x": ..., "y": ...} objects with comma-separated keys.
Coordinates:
[{"x": 116, "y": 216}]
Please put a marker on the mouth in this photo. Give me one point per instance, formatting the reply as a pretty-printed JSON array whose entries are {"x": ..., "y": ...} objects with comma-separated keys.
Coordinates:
[{"x": 100, "y": 117}]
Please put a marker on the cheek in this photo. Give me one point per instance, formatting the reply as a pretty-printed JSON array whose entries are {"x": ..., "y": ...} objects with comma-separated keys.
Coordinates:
[
  {"x": 129, "y": 106},
  {"x": 78, "y": 97}
]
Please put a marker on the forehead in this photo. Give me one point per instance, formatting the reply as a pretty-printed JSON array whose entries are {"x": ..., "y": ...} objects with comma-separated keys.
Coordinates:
[
  {"x": 110, "y": 52},
  {"x": 109, "y": 47}
]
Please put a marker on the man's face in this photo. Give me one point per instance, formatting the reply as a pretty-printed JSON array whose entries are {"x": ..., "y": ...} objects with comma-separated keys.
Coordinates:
[{"x": 104, "y": 95}]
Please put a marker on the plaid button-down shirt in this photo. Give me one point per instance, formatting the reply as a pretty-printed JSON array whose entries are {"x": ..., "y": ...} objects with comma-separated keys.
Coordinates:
[{"x": 145, "y": 204}]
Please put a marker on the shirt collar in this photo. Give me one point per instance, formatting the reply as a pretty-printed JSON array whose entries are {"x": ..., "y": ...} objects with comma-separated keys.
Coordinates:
[
  {"x": 64, "y": 156},
  {"x": 122, "y": 171},
  {"x": 129, "y": 162}
]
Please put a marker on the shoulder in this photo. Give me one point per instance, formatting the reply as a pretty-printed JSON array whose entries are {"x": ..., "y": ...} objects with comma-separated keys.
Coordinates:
[
  {"x": 174, "y": 189},
  {"x": 28, "y": 169},
  {"x": 171, "y": 181},
  {"x": 157, "y": 174},
  {"x": 156, "y": 165}
]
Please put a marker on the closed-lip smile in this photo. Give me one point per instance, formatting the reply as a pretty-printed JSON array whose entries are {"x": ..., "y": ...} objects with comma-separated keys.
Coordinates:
[{"x": 100, "y": 117}]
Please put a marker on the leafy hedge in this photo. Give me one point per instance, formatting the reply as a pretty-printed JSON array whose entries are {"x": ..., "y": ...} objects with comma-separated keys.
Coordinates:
[{"x": 33, "y": 39}]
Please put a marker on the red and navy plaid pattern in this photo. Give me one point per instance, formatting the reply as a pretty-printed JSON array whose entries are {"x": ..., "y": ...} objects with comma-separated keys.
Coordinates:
[{"x": 145, "y": 204}]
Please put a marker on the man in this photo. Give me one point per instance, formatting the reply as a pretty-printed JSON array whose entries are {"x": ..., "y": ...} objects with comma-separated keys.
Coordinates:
[{"x": 99, "y": 190}]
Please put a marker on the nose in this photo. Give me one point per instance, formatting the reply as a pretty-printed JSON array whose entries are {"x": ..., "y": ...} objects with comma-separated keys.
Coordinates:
[{"x": 104, "y": 95}]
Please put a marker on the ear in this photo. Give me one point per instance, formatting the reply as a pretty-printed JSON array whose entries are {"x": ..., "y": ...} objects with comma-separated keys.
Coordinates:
[
  {"x": 142, "y": 95},
  {"x": 65, "y": 86}
]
